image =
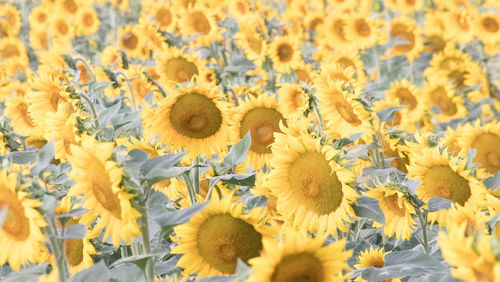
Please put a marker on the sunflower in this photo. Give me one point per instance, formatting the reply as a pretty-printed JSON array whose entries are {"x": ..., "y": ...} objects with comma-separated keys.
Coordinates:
[
  {"x": 484, "y": 139},
  {"x": 239, "y": 8},
  {"x": 344, "y": 115},
  {"x": 261, "y": 116},
  {"x": 61, "y": 127},
  {"x": 141, "y": 86},
  {"x": 200, "y": 21},
  {"x": 310, "y": 185},
  {"x": 334, "y": 72},
  {"x": 406, "y": 30},
  {"x": 39, "y": 17},
  {"x": 20, "y": 233},
  {"x": 17, "y": 111},
  {"x": 213, "y": 239},
  {"x": 477, "y": 76},
  {"x": 87, "y": 21},
  {"x": 285, "y": 53},
  {"x": 440, "y": 92},
  {"x": 397, "y": 209},
  {"x": 372, "y": 258},
  {"x": 332, "y": 33},
  {"x": 12, "y": 48},
  {"x": 262, "y": 189},
  {"x": 411, "y": 97},
  {"x": 362, "y": 31},
  {"x": 299, "y": 257},
  {"x": 69, "y": 7},
  {"x": 471, "y": 257},
  {"x": 98, "y": 183},
  {"x": 444, "y": 62},
  {"x": 131, "y": 40},
  {"x": 349, "y": 59},
  {"x": 488, "y": 27},
  {"x": 292, "y": 100},
  {"x": 10, "y": 21},
  {"x": 49, "y": 92},
  {"x": 194, "y": 118},
  {"x": 342, "y": 4},
  {"x": 444, "y": 176},
  {"x": 435, "y": 41},
  {"x": 61, "y": 30},
  {"x": 162, "y": 14},
  {"x": 177, "y": 66},
  {"x": 450, "y": 139},
  {"x": 251, "y": 42},
  {"x": 111, "y": 56},
  {"x": 461, "y": 25},
  {"x": 39, "y": 38},
  {"x": 314, "y": 20}
]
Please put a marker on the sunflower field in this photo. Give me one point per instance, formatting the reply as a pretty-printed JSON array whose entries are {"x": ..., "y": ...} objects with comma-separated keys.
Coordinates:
[{"x": 250, "y": 140}]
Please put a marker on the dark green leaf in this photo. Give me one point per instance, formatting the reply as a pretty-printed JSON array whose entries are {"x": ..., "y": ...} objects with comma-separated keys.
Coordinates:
[
  {"x": 75, "y": 231},
  {"x": 438, "y": 203},
  {"x": 97, "y": 272},
  {"x": 162, "y": 162},
  {"x": 235, "y": 179},
  {"x": 69, "y": 61},
  {"x": 387, "y": 114},
  {"x": 162, "y": 174},
  {"x": 369, "y": 208},
  {"x": 239, "y": 151},
  {"x": 492, "y": 222},
  {"x": 22, "y": 157},
  {"x": 173, "y": 218},
  {"x": 492, "y": 182}
]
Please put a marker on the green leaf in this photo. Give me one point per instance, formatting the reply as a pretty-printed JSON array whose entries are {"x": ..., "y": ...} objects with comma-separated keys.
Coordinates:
[
  {"x": 73, "y": 213},
  {"x": 139, "y": 260},
  {"x": 163, "y": 162},
  {"x": 235, "y": 179},
  {"x": 369, "y": 208},
  {"x": 239, "y": 151},
  {"x": 97, "y": 86},
  {"x": 439, "y": 203},
  {"x": 75, "y": 231},
  {"x": 173, "y": 218},
  {"x": 69, "y": 61},
  {"x": 49, "y": 202},
  {"x": 492, "y": 222},
  {"x": 22, "y": 157},
  {"x": 162, "y": 174},
  {"x": 387, "y": 114},
  {"x": 45, "y": 156},
  {"x": 492, "y": 182},
  {"x": 97, "y": 272},
  {"x": 340, "y": 143},
  {"x": 127, "y": 272}
]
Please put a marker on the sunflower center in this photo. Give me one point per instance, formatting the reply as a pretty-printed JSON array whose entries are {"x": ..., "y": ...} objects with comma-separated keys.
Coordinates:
[
  {"x": 392, "y": 204},
  {"x": 88, "y": 19},
  {"x": 314, "y": 184},
  {"x": 302, "y": 75},
  {"x": 402, "y": 32},
  {"x": 440, "y": 98},
  {"x": 9, "y": 51},
  {"x": 346, "y": 112},
  {"x": 262, "y": 123},
  {"x": 459, "y": 77},
  {"x": 222, "y": 239},
  {"x": 442, "y": 181},
  {"x": 406, "y": 98},
  {"x": 346, "y": 62},
  {"x": 298, "y": 99},
  {"x": 195, "y": 115},
  {"x": 338, "y": 29},
  {"x": 74, "y": 251},
  {"x": 487, "y": 153},
  {"x": 285, "y": 52},
  {"x": 101, "y": 188},
  {"x": 363, "y": 28},
  {"x": 16, "y": 223},
  {"x": 70, "y": 6},
  {"x": 130, "y": 41},
  {"x": 301, "y": 267},
  {"x": 254, "y": 42},
  {"x": 41, "y": 17},
  {"x": 490, "y": 24},
  {"x": 62, "y": 27},
  {"x": 164, "y": 16},
  {"x": 23, "y": 112},
  {"x": 200, "y": 23},
  {"x": 180, "y": 70}
]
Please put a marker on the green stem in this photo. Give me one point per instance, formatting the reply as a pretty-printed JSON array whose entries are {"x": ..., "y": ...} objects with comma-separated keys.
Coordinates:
[
  {"x": 58, "y": 250},
  {"x": 92, "y": 76},
  {"x": 92, "y": 108},
  {"x": 423, "y": 225},
  {"x": 196, "y": 176},
  {"x": 189, "y": 184},
  {"x": 147, "y": 247},
  {"x": 318, "y": 113},
  {"x": 131, "y": 90}
]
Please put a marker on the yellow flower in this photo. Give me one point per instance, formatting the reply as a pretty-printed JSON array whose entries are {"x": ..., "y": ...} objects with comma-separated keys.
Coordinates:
[
  {"x": 20, "y": 233},
  {"x": 444, "y": 176},
  {"x": 198, "y": 20},
  {"x": 131, "y": 40},
  {"x": 406, "y": 30},
  {"x": 285, "y": 53},
  {"x": 440, "y": 92},
  {"x": 310, "y": 185},
  {"x": 177, "y": 66},
  {"x": 87, "y": 21},
  {"x": 98, "y": 183},
  {"x": 61, "y": 127},
  {"x": 162, "y": 14},
  {"x": 10, "y": 21},
  {"x": 397, "y": 209},
  {"x": 292, "y": 100},
  {"x": 260, "y": 116},
  {"x": 361, "y": 30},
  {"x": 372, "y": 258},
  {"x": 488, "y": 27},
  {"x": 213, "y": 239},
  {"x": 61, "y": 30},
  {"x": 192, "y": 117},
  {"x": 250, "y": 40},
  {"x": 299, "y": 257}
]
